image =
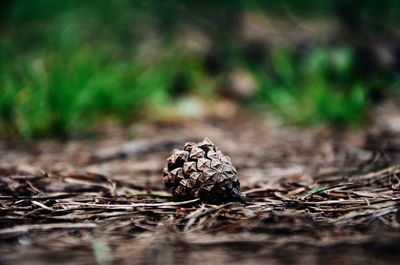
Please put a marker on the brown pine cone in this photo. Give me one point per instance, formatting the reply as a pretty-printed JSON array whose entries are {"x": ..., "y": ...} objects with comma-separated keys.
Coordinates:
[{"x": 202, "y": 171}]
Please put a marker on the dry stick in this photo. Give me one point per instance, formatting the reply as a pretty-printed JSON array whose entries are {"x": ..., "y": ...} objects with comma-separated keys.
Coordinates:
[
  {"x": 202, "y": 212},
  {"x": 372, "y": 213},
  {"x": 133, "y": 205},
  {"x": 264, "y": 189},
  {"x": 328, "y": 188},
  {"x": 26, "y": 228},
  {"x": 41, "y": 205},
  {"x": 57, "y": 196},
  {"x": 349, "y": 202}
]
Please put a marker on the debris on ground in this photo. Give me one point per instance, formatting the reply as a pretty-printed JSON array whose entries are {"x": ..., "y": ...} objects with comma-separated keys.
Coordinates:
[{"x": 312, "y": 194}]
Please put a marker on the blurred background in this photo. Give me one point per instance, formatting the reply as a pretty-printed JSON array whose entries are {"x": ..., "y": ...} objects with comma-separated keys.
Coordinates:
[{"x": 69, "y": 67}]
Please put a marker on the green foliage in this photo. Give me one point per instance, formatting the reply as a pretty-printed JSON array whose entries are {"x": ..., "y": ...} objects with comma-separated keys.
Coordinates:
[
  {"x": 60, "y": 94},
  {"x": 314, "y": 89},
  {"x": 67, "y": 65},
  {"x": 57, "y": 95}
]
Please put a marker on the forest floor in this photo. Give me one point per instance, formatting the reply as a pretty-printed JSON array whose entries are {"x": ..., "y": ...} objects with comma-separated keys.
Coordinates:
[{"x": 316, "y": 196}]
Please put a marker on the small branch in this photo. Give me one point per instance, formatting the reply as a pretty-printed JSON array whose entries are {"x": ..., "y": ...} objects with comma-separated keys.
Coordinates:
[
  {"x": 133, "y": 205},
  {"x": 26, "y": 228}
]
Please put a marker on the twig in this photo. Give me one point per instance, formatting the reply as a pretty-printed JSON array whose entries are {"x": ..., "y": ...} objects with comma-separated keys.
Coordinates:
[
  {"x": 133, "y": 205},
  {"x": 26, "y": 228}
]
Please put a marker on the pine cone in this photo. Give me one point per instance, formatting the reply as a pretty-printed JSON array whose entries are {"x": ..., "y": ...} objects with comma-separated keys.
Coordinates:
[{"x": 202, "y": 171}]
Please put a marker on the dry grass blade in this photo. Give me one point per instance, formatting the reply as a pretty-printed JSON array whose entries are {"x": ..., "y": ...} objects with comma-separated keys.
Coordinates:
[
  {"x": 132, "y": 205},
  {"x": 25, "y": 228}
]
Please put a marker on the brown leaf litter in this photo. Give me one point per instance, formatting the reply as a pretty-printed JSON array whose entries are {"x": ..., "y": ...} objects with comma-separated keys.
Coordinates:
[{"x": 312, "y": 197}]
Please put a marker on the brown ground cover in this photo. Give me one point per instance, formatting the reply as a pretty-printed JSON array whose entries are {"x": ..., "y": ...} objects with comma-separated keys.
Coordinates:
[{"x": 315, "y": 196}]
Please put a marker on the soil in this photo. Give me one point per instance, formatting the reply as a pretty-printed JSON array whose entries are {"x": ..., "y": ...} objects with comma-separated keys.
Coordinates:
[{"x": 316, "y": 196}]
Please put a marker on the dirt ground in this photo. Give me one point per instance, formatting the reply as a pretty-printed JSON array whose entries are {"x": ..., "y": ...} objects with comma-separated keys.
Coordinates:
[{"x": 316, "y": 196}]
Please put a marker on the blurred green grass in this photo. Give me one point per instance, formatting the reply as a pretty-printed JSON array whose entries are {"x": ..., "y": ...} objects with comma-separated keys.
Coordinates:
[
  {"x": 66, "y": 66},
  {"x": 304, "y": 92},
  {"x": 59, "y": 96}
]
